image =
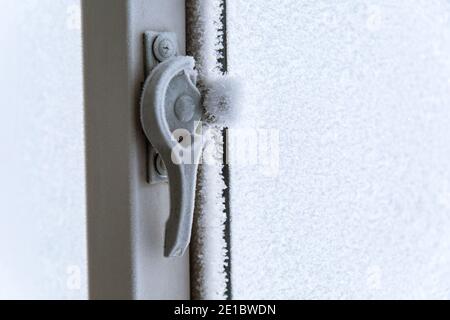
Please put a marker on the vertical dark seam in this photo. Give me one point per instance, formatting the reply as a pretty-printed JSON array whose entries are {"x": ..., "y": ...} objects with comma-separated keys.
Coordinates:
[
  {"x": 223, "y": 60},
  {"x": 223, "y": 63}
]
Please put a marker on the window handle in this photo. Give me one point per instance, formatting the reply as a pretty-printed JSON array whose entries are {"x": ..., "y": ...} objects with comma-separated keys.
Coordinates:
[{"x": 170, "y": 115}]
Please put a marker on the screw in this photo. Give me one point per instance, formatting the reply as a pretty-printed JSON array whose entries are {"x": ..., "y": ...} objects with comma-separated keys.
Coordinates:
[
  {"x": 160, "y": 166},
  {"x": 164, "y": 48}
]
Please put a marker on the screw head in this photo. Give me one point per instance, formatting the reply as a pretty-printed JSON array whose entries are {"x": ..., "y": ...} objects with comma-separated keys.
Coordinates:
[
  {"x": 160, "y": 166},
  {"x": 185, "y": 108},
  {"x": 164, "y": 48}
]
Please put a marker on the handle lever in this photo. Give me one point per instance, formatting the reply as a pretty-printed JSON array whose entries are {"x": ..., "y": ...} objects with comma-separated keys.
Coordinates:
[{"x": 170, "y": 115}]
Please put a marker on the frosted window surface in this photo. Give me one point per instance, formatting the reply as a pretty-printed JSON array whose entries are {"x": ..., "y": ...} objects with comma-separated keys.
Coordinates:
[
  {"x": 42, "y": 186},
  {"x": 357, "y": 93}
]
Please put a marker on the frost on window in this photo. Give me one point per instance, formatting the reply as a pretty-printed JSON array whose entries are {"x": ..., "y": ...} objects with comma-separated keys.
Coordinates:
[
  {"x": 340, "y": 171},
  {"x": 340, "y": 179}
]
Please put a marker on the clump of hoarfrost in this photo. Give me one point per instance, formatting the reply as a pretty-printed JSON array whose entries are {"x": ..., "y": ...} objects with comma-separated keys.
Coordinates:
[{"x": 221, "y": 101}]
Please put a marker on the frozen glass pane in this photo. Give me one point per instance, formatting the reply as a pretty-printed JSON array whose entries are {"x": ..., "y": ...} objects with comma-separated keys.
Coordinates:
[{"x": 344, "y": 188}]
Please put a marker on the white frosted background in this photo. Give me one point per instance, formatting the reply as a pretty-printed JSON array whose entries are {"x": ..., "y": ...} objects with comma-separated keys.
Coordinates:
[
  {"x": 42, "y": 185},
  {"x": 360, "y": 94}
]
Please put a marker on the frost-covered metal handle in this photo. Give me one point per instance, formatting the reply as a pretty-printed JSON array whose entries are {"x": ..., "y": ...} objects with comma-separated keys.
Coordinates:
[{"x": 170, "y": 115}]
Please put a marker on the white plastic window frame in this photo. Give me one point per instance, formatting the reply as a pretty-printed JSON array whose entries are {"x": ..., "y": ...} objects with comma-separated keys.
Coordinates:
[{"x": 126, "y": 215}]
